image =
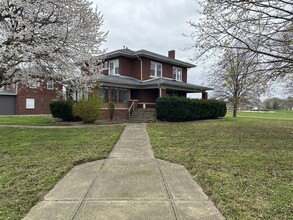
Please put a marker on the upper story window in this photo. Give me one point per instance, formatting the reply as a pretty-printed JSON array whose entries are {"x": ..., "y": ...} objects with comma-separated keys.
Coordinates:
[
  {"x": 114, "y": 67},
  {"x": 177, "y": 73},
  {"x": 50, "y": 85},
  {"x": 156, "y": 69}
]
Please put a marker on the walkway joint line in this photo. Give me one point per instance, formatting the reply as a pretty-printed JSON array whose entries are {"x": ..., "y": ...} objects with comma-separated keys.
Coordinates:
[
  {"x": 85, "y": 195},
  {"x": 170, "y": 197}
]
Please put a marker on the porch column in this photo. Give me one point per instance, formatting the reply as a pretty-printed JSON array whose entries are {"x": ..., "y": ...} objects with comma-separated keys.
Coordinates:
[
  {"x": 162, "y": 92},
  {"x": 204, "y": 95}
]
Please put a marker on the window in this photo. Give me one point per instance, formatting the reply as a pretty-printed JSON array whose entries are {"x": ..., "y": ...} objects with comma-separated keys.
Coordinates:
[
  {"x": 114, "y": 95},
  {"x": 114, "y": 67},
  {"x": 177, "y": 73},
  {"x": 33, "y": 84},
  {"x": 104, "y": 94},
  {"x": 30, "y": 103},
  {"x": 1, "y": 88},
  {"x": 78, "y": 95},
  {"x": 123, "y": 95},
  {"x": 156, "y": 69},
  {"x": 50, "y": 85}
]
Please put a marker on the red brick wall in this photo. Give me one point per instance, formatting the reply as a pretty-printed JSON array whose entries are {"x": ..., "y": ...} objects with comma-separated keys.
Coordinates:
[
  {"x": 119, "y": 115},
  {"x": 168, "y": 71},
  {"x": 149, "y": 95},
  {"x": 146, "y": 70},
  {"x": 125, "y": 66},
  {"x": 42, "y": 97},
  {"x": 132, "y": 67},
  {"x": 146, "y": 95},
  {"x": 184, "y": 75}
]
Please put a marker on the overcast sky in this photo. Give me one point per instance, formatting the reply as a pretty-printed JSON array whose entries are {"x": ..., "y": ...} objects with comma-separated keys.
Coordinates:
[{"x": 154, "y": 25}]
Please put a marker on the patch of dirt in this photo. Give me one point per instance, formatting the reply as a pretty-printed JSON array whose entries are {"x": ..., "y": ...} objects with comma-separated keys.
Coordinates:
[{"x": 4, "y": 156}]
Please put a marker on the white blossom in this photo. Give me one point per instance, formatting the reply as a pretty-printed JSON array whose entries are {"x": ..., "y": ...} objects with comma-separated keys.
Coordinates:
[{"x": 56, "y": 37}]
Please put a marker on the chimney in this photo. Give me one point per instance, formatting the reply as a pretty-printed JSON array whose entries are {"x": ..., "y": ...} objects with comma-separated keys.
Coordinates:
[{"x": 171, "y": 54}]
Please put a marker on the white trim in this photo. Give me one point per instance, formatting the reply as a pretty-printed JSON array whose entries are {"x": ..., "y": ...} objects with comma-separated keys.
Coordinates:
[
  {"x": 50, "y": 85},
  {"x": 177, "y": 69},
  {"x": 115, "y": 108},
  {"x": 8, "y": 94},
  {"x": 115, "y": 63},
  {"x": 30, "y": 103},
  {"x": 167, "y": 78},
  {"x": 156, "y": 65}
]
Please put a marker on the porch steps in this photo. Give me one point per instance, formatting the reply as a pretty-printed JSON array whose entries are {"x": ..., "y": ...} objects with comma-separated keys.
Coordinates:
[{"x": 141, "y": 115}]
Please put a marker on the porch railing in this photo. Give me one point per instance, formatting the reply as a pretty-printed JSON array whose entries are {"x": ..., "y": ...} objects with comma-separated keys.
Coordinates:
[
  {"x": 146, "y": 105},
  {"x": 131, "y": 108}
]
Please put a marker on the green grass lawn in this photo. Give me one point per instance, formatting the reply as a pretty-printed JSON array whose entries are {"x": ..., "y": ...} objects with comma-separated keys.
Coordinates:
[
  {"x": 244, "y": 164},
  {"x": 27, "y": 120},
  {"x": 279, "y": 115},
  {"x": 33, "y": 160}
]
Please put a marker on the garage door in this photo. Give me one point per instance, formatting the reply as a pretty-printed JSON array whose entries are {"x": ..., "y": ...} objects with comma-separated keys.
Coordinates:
[{"x": 7, "y": 105}]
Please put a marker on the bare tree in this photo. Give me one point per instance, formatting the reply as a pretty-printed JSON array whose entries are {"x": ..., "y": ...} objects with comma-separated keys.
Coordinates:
[
  {"x": 235, "y": 78},
  {"x": 263, "y": 27},
  {"x": 288, "y": 86},
  {"x": 54, "y": 37}
]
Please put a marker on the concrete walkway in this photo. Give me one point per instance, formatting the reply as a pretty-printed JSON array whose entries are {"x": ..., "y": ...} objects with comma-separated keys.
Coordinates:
[{"x": 130, "y": 184}]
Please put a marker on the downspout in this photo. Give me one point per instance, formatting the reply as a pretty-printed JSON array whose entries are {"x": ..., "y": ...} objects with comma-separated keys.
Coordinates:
[{"x": 140, "y": 67}]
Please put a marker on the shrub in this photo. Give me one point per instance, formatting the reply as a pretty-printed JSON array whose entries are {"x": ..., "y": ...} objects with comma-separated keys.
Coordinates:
[
  {"x": 63, "y": 109},
  {"x": 111, "y": 110},
  {"x": 184, "y": 109},
  {"x": 88, "y": 110}
]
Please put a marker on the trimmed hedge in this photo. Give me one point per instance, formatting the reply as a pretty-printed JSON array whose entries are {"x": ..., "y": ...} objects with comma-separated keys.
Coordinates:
[
  {"x": 185, "y": 109},
  {"x": 63, "y": 109}
]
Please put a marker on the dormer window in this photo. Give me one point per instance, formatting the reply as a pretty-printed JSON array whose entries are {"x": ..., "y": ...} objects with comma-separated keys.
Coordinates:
[
  {"x": 156, "y": 69},
  {"x": 114, "y": 67},
  {"x": 177, "y": 73}
]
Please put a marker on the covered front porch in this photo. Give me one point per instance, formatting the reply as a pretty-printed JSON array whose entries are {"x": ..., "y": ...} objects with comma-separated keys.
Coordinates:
[{"x": 129, "y": 94}]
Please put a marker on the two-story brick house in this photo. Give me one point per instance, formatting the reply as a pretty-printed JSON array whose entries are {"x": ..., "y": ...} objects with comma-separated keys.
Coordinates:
[{"x": 138, "y": 78}]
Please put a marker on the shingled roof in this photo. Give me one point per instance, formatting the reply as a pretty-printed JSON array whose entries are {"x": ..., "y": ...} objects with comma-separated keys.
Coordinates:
[
  {"x": 145, "y": 53},
  {"x": 132, "y": 83}
]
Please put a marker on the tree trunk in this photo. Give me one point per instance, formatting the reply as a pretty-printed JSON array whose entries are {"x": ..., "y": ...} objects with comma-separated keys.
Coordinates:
[{"x": 235, "y": 106}]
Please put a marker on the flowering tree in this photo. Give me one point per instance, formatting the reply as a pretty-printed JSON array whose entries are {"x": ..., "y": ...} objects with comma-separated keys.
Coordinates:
[
  {"x": 56, "y": 38},
  {"x": 263, "y": 27}
]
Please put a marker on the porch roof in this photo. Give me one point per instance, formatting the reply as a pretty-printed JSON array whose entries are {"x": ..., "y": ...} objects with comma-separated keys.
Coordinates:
[{"x": 156, "y": 83}]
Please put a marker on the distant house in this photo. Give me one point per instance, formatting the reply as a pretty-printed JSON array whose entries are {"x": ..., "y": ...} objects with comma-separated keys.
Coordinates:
[
  {"x": 30, "y": 99},
  {"x": 135, "y": 79}
]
